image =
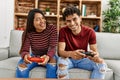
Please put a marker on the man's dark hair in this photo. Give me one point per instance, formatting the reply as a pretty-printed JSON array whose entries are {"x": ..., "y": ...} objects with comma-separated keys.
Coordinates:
[{"x": 70, "y": 10}]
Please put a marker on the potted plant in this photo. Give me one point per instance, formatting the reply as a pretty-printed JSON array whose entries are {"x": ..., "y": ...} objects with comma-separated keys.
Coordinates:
[
  {"x": 47, "y": 10},
  {"x": 111, "y": 21}
]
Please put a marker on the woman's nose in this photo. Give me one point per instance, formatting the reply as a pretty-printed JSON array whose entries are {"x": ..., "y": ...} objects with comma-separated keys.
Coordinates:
[{"x": 42, "y": 20}]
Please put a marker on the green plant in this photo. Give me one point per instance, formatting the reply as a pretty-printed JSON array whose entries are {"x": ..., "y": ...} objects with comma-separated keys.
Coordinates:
[
  {"x": 47, "y": 9},
  {"x": 111, "y": 21}
]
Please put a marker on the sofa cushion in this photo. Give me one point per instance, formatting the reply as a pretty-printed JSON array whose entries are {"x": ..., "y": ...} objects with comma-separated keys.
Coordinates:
[
  {"x": 8, "y": 66},
  {"x": 108, "y": 45},
  {"x": 15, "y": 42},
  {"x": 84, "y": 74},
  {"x": 38, "y": 72},
  {"x": 3, "y": 53},
  {"x": 8, "y": 69},
  {"x": 114, "y": 65}
]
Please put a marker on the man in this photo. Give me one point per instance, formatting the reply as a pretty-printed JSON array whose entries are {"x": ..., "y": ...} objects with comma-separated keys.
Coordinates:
[{"x": 73, "y": 42}]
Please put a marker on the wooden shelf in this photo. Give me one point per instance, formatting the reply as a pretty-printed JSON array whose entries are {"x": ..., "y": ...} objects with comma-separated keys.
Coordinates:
[
  {"x": 21, "y": 14},
  {"x": 70, "y": 1},
  {"x": 91, "y": 0},
  {"x": 91, "y": 17},
  {"x": 22, "y": 7},
  {"x": 51, "y": 15}
]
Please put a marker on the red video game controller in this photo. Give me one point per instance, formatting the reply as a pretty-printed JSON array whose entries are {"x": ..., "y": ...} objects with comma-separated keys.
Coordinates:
[{"x": 36, "y": 59}]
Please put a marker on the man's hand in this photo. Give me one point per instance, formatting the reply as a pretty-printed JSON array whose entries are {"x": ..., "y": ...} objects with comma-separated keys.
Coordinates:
[
  {"x": 96, "y": 57},
  {"x": 77, "y": 54}
]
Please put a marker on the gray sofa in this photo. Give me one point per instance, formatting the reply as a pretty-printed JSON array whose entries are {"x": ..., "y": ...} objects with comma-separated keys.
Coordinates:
[{"x": 108, "y": 46}]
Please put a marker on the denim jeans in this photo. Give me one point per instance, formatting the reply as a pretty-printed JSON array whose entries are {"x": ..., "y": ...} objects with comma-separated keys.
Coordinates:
[
  {"x": 23, "y": 72},
  {"x": 98, "y": 70}
]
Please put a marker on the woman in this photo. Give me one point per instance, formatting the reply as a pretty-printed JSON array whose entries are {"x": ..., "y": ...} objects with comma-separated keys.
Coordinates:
[{"x": 41, "y": 39}]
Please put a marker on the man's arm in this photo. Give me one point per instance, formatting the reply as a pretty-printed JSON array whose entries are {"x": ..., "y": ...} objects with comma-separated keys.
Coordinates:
[
  {"x": 61, "y": 50},
  {"x": 96, "y": 58},
  {"x": 76, "y": 54},
  {"x": 93, "y": 47}
]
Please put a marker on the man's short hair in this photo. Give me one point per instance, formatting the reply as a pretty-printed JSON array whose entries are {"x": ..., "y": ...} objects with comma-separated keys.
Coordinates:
[{"x": 70, "y": 10}]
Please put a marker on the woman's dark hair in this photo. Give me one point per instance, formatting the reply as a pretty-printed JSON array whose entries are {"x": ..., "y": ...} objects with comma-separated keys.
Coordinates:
[
  {"x": 70, "y": 10},
  {"x": 30, "y": 25}
]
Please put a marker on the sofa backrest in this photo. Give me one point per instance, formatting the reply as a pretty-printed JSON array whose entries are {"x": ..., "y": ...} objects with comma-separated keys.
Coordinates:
[
  {"x": 108, "y": 45},
  {"x": 15, "y": 42}
]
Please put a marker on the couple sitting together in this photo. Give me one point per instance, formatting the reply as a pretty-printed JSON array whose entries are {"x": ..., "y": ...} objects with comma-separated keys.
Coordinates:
[{"x": 72, "y": 43}]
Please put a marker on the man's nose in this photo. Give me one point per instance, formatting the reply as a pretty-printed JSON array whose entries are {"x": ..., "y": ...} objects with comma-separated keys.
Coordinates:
[{"x": 72, "y": 22}]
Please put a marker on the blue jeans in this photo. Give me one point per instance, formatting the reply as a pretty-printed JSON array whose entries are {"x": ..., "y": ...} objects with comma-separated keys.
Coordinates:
[
  {"x": 23, "y": 72},
  {"x": 64, "y": 64}
]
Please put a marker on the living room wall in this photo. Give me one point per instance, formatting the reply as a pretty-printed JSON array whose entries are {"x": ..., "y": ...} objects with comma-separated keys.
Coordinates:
[{"x": 7, "y": 20}]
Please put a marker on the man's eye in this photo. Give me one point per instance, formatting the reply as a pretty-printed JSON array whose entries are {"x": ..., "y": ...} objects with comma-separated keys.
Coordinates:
[
  {"x": 74, "y": 19},
  {"x": 68, "y": 20}
]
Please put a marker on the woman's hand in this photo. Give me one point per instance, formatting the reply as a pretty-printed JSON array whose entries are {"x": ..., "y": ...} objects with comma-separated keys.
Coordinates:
[
  {"x": 26, "y": 59},
  {"x": 46, "y": 59}
]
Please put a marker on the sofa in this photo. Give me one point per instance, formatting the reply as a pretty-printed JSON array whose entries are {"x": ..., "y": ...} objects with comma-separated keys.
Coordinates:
[{"x": 108, "y": 46}]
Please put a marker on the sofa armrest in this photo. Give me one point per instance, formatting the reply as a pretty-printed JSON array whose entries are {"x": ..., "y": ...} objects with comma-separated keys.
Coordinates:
[{"x": 3, "y": 53}]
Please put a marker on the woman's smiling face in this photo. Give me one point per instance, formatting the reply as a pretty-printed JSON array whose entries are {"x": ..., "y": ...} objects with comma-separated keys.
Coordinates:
[{"x": 39, "y": 22}]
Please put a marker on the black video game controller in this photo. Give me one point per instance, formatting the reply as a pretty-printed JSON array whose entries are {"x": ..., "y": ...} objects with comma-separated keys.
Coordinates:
[{"x": 88, "y": 54}]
